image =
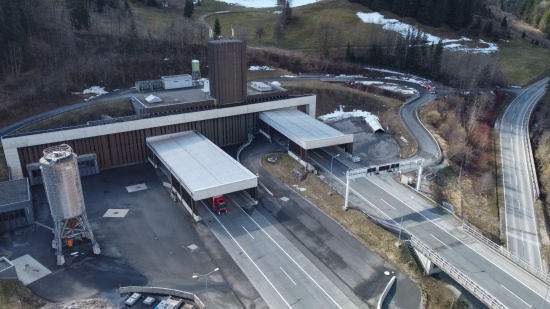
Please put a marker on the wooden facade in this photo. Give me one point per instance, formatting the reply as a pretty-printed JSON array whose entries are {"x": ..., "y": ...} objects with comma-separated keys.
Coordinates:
[
  {"x": 129, "y": 147},
  {"x": 227, "y": 65}
]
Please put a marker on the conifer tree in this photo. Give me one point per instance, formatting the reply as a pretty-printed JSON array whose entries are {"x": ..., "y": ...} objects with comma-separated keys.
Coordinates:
[
  {"x": 188, "y": 8},
  {"x": 217, "y": 28}
]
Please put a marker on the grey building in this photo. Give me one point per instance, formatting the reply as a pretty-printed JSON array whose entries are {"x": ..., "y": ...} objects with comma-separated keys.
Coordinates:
[{"x": 15, "y": 205}]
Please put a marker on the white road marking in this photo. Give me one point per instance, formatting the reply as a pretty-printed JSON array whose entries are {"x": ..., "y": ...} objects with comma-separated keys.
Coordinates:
[
  {"x": 248, "y": 256},
  {"x": 467, "y": 245},
  {"x": 387, "y": 203},
  {"x": 288, "y": 255},
  {"x": 287, "y": 275},
  {"x": 444, "y": 244},
  {"x": 516, "y": 296},
  {"x": 523, "y": 239},
  {"x": 341, "y": 161},
  {"x": 248, "y": 232}
]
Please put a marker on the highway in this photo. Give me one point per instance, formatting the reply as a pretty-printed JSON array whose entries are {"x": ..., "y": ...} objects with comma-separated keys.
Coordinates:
[
  {"x": 384, "y": 198},
  {"x": 278, "y": 270},
  {"x": 519, "y": 182}
]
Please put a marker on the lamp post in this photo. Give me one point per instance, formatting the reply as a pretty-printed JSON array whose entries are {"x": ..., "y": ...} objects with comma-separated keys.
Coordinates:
[
  {"x": 331, "y": 161},
  {"x": 398, "y": 243},
  {"x": 206, "y": 280}
]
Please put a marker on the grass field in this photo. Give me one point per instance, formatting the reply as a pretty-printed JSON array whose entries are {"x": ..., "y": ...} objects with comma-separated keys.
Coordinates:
[
  {"x": 519, "y": 60},
  {"x": 522, "y": 61}
]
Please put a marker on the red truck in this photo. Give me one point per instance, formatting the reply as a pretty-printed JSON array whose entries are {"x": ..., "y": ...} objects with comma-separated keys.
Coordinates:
[{"x": 219, "y": 204}]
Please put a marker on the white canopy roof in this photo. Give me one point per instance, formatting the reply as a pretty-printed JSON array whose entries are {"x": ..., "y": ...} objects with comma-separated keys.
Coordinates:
[
  {"x": 305, "y": 131},
  {"x": 374, "y": 123},
  {"x": 200, "y": 166}
]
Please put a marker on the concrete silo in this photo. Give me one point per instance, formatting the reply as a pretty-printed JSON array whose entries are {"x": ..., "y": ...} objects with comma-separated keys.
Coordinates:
[{"x": 64, "y": 192}]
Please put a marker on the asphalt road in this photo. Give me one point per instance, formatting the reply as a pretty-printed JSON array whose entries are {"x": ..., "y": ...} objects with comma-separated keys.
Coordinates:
[
  {"x": 278, "y": 270},
  {"x": 427, "y": 146},
  {"x": 398, "y": 205},
  {"x": 518, "y": 179},
  {"x": 322, "y": 248}
]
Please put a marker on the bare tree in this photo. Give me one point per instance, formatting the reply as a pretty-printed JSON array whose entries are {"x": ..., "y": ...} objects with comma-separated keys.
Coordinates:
[
  {"x": 260, "y": 31},
  {"x": 278, "y": 30}
]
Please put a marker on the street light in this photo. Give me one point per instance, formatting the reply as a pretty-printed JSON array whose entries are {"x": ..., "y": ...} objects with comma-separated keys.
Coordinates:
[
  {"x": 206, "y": 281},
  {"x": 401, "y": 224},
  {"x": 331, "y": 161}
]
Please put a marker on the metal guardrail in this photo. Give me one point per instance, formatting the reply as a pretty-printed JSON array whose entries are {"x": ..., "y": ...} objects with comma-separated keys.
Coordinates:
[
  {"x": 411, "y": 99},
  {"x": 457, "y": 275},
  {"x": 530, "y": 155},
  {"x": 507, "y": 254},
  {"x": 243, "y": 146},
  {"x": 162, "y": 291}
]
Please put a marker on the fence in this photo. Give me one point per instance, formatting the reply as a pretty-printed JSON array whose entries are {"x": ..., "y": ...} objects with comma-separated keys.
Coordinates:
[
  {"x": 504, "y": 252},
  {"x": 457, "y": 275}
]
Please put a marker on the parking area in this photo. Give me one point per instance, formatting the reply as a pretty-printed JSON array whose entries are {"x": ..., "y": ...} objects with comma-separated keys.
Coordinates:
[
  {"x": 374, "y": 147},
  {"x": 145, "y": 237}
]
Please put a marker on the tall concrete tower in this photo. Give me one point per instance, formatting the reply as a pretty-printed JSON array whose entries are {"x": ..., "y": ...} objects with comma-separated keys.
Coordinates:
[{"x": 227, "y": 63}]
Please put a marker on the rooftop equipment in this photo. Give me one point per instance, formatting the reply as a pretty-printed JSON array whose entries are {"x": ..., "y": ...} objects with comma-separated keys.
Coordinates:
[
  {"x": 261, "y": 86},
  {"x": 64, "y": 192},
  {"x": 177, "y": 81},
  {"x": 195, "y": 70}
]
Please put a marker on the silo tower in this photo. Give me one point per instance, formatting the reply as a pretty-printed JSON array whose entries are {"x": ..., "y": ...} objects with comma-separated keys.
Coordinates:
[
  {"x": 64, "y": 192},
  {"x": 195, "y": 69}
]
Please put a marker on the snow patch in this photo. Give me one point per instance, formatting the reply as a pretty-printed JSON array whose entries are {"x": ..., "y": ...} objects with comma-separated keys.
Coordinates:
[
  {"x": 404, "y": 29},
  {"x": 390, "y": 87},
  {"x": 97, "y": 90},
  {"x": 260, "y": 68},
  {"x": 265, "y": 3}
]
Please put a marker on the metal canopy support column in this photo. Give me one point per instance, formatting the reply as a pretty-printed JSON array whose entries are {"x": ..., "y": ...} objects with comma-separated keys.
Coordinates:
[{"x": 347, "y": 193}]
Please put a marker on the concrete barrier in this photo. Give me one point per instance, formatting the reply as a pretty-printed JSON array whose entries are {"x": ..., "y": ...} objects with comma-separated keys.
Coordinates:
[
  {"x": 162, "y": 291},
  {"x": 385, "y": 293}
]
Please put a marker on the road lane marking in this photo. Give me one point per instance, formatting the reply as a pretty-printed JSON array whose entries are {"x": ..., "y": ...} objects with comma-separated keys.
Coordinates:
[
  {"x": 444, "y": 244},
  {"x": 445, "y": 231},
  {"x": 341, "y": 161},
  {"x": 387, "y": 203},
  {"x": 248, "y": 232},
  {"x": 286, "y": 253},
  {"x": 248, "y": 256},
  {"x": 516, "y": 296},
  {"x": 287, "y": 275}
]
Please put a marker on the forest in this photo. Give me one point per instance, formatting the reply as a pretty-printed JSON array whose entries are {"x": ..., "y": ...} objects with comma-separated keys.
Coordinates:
[{"x": 534, "y": 12}]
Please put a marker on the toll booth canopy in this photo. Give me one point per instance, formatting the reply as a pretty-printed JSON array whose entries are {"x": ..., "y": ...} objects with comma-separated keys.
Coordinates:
[
  {"x": 198, "y": 168},
  {"x": 303, "y": 131}
]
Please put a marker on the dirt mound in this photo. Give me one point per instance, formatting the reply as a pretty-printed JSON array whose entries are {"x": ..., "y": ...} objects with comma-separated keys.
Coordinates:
[{"x": 94, "y": 303}]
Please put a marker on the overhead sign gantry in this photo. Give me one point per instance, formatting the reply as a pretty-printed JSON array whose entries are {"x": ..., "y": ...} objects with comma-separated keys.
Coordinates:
[{"x": 369, "y": 170}]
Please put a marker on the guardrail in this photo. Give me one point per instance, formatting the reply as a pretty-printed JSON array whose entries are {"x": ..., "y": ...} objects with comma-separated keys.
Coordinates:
[
  {"x": 409, "y": 100},
  {"x": 530, "y": 156},
  {"x": 385, "y": 293},
  {"x": 162, "y": 291},
  {"x": 457, "y": 275},
  {"x": 243, "y": 146},
  {"x": 506, "y": 253}
]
